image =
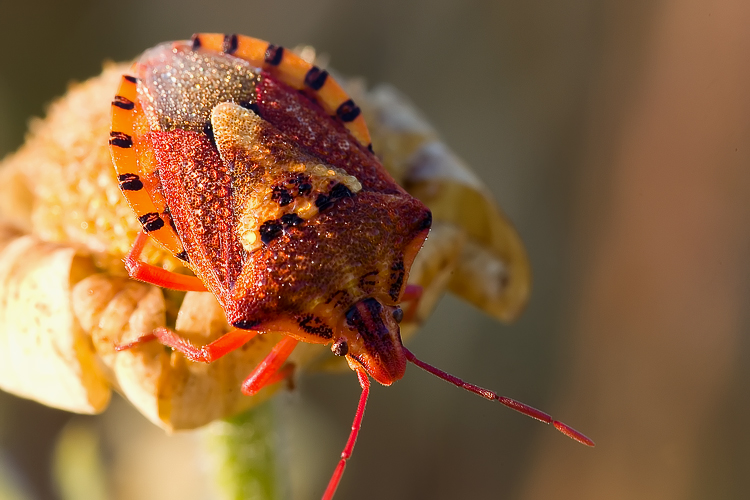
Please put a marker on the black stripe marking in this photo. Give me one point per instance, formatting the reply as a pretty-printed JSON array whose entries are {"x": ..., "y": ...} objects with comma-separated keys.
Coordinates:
[
  {"x": 397, "y": 279},
  {"x": 131, "y": 79},
  {"x": 369, "y": 148},
  {"x": 348, "y": 111},
  {"x": 182, "y": 256},
  {"x": 274, "y": 54},
  {"x": 120, "y": 140},
  {"x": 373, "y": 307},
  {"x": 130, "y": 182},
  {"x": 123, "y": 103},
  {"x": 230, "y": 44},
  {"x": 196, "y": 42},
  {"x": 151, "y": 222},
  {"x": 341, "y": 296},
  {"x": 364, "y": 280},
  {"x": 316, "y": 78},
  {"x": 315, "y": 326}
]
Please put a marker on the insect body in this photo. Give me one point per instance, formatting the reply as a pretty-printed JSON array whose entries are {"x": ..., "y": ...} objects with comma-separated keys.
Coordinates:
[{"x": 255, "y": 168}]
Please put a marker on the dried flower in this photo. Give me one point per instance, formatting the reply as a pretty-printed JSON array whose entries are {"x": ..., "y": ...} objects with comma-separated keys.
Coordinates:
[{"x": 65, "y": 299}]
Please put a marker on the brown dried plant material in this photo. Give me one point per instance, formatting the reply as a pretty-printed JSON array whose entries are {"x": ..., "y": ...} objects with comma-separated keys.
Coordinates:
[{"x": 65, "y": 299}]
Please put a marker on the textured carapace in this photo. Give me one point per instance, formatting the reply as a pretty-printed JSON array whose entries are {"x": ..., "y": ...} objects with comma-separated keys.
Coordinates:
[{"x": 254, "y": 167}]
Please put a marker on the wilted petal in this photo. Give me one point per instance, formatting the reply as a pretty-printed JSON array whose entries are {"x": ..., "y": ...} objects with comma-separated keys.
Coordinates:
[
  {"x": 493, "y": 271},
  {"x": 44, "y": 353}
]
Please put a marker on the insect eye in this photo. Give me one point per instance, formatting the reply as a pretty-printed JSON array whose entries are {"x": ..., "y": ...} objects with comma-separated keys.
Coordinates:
[
  {"x": 340, "y": 347},
  {"x": 398, "y": 314}
]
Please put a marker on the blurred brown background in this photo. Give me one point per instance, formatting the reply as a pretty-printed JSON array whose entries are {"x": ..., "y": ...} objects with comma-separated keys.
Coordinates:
[{"x": 616, "y": 137}]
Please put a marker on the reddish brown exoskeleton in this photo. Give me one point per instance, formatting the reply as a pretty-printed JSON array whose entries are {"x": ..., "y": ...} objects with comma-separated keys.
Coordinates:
[{"x": 255, "y": 168}]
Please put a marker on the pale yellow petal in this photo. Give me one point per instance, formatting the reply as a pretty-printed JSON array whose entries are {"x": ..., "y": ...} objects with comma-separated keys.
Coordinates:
[{"x": 44, "y": 353}]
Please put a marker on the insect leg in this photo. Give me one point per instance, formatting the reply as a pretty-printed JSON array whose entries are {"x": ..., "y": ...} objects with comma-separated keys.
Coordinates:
[
  {"x": 284, "y": 373},
  {"x": 265, "y": 373},
  {"x": 148, "y": 273},
  {"x": 364, "y": 382},
  {"x": 412, "y": 294},
  {"x": 207, "y": 354}
]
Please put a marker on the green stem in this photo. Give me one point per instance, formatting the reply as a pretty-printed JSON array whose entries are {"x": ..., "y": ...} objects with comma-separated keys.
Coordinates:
[{"x": 244, "y": 453}]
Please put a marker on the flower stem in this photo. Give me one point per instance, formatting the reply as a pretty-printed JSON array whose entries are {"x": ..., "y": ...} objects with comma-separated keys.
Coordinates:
[{"x": 244, "y": 454}]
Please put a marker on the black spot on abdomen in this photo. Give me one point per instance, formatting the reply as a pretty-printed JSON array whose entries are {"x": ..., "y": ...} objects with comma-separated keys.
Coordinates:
[
  {"x": 274, "y": 55},
  {"x": 316, "y": 78},
  {"x": 195, "y": 42},
  {"x": 348, "y": 111},
  {"x": 130, "y": 182},
  {"x": 151, "y": 222},
  {"x": 120, "y": 140},
  {"x": 230, "y": 43},
  {"x": 123, "y": 103}
]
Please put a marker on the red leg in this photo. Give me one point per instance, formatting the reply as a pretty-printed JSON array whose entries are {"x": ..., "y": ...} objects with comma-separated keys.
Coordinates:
[
  {"x": 207, "y": 354},
  {"x": 364, "y": 382},
  {"x": 284, "y": 373},
  {"x": 148, "y": 273},
  {"x": 412, "y": 294},
  {"x": 266, "y": 371}
]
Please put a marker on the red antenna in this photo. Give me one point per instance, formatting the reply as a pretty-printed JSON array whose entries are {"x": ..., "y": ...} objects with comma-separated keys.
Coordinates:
[
  {"x": 510, "y": 403},
  {"x": 364, "y": 382}
]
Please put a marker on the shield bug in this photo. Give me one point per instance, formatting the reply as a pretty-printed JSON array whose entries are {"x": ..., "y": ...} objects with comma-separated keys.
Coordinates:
[{"x": 254, "y": 167}]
